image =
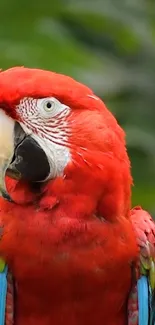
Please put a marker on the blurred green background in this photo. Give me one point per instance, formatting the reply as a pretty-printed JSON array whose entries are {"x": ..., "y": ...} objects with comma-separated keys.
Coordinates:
[{"x": 107, "y": 44}]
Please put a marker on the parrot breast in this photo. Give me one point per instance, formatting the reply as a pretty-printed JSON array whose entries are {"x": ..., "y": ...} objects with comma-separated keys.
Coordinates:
[{"x": 67, "y": 270}]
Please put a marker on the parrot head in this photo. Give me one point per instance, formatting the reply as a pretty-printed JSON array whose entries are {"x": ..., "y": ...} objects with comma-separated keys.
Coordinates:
[{"x": 52, "y": 127}]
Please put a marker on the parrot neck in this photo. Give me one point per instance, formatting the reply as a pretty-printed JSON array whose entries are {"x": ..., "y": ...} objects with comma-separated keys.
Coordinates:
[{"x": 81, "y": 193}]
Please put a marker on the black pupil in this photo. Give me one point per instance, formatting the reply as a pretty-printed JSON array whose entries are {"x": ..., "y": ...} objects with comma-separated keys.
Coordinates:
[{"x": 49, "y": 105}]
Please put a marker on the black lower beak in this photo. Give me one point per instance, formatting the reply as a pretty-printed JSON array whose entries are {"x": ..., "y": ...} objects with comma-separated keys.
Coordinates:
[{"x": 29, "y": 161}]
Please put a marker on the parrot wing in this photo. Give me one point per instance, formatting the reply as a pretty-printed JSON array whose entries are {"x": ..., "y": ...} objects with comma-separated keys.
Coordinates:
[{"x": 141, "y": 305}]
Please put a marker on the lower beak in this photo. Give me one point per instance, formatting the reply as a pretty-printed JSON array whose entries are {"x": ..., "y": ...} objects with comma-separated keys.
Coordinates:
[{"x": 20, "y": 155}]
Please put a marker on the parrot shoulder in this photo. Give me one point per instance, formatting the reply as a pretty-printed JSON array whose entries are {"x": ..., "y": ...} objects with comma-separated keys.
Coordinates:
[{"x": 141, "y": 304}]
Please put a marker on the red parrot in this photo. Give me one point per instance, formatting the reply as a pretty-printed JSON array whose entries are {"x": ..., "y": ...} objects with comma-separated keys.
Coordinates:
[{"x": 75, "y": 249}]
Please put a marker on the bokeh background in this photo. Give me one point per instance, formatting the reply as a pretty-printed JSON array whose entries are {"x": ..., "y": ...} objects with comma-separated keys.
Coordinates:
[{"x": 107, "y": 44}]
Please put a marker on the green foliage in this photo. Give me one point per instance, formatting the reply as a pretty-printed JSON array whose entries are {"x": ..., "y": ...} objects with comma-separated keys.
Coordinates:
[{"x": 107, "y": 44}]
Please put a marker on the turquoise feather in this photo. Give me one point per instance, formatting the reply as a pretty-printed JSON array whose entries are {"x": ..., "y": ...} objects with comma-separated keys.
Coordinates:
[
  {"x": 3, "y": 294},
  {"x": 143, "y": 301}
]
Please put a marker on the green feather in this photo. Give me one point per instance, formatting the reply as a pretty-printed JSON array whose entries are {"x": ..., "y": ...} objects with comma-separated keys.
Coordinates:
[{"x": 2, "y": 265}]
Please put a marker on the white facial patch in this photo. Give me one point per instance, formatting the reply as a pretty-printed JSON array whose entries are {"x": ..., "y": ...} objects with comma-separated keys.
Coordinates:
[{"x": 46, "y": 121}]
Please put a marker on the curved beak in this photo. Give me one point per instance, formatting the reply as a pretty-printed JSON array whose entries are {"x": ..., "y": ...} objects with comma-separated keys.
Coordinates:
[{"x": 20, "y": 155}]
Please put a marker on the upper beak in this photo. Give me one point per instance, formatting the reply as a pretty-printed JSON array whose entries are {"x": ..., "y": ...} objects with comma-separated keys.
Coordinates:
[{"x": 6, "y": 149}]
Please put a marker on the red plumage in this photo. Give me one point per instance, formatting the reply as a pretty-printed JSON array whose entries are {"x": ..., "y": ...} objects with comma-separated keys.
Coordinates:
[{"x": 71, "y": 246}]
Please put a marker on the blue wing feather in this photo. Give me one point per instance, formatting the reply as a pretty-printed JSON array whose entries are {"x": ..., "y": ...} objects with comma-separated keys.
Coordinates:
[
  {"x": 3, "y": 293},
  {"x": 143, "y": 301}
]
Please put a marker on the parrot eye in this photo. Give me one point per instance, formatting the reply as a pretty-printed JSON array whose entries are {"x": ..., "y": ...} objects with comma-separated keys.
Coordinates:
[{"x": 48, "y": 105}]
